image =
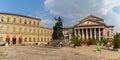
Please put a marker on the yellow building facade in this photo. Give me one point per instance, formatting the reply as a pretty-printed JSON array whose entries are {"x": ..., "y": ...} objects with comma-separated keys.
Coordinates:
[{"x": 19, "y": 29}]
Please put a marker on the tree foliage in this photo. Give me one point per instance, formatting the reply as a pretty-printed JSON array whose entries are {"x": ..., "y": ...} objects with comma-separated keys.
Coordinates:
[
  {"x": 76, "y": 40},
  {"x": 116, "y": 40}
]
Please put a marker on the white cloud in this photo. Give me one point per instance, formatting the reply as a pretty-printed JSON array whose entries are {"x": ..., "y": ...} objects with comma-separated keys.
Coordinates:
[
  {"x": 78, "y": 9},
  {"x": 48, "y": 23}
]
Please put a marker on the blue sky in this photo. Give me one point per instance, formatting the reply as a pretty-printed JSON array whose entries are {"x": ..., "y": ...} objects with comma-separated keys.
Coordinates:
[
  {"x": 72, "y": 11},
  {"x": 24, "y": 7}
]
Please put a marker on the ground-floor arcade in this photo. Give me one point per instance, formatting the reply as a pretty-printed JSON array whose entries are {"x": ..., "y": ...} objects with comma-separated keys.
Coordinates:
[{"x": 13, "y": 39}]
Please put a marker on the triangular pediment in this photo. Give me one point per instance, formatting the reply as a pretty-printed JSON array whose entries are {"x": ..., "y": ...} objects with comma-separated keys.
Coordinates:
[
  {"x": 91, "y": 20},
  {"x": 89, "y": 23},
  {"x": 94, "y": 18}
]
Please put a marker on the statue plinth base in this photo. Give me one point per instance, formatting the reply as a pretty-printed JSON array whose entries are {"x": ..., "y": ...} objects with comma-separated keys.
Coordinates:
[{"x": 57, "y": 42}]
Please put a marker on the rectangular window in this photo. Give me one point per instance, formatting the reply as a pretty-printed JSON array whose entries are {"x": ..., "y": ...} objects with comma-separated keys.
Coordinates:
[
  {"x": 29, "y": 39},
  {"x": 25, "y": 40},
  {"x": 34, "y": 40},
  {"x": 44, "y": 32},
  {"x": 25, "y": 30},
  {"x": 1, "y": 39},
  {"x": 8, "y": 29},
  {"x": 34, "y": 31},
  {"x": 14, "y": 29},
  {"x": 41, "y": 39},
  {"x": 25, "y": 22},
  {"x": 29, "y": 30},
  {"x": 41, "y": 31},
  {"x": 34, "y": 23},
  {"x": 38, "y": 31},
  {"x": 44, "y": 39},
  {"x": 108, "y": 33},
  {"x": 2, "y": 19},
  {"x": 29, "y": 22},
  {"x": 8, "y": 19},
  {"x": 38, "y": 40},
  {"x": 20, "y": 21},
  {"x": 38, "y": 23},
  {"x": 14, "y": 20},
  {"x": 20, "y": 29},
  {"x": 1, "y": 28}
]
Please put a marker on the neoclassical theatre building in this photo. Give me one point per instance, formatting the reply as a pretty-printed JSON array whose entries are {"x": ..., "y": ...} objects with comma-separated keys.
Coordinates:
[
  {"x": 20, "y": 29},
  {"x": 90, "y": 27}
]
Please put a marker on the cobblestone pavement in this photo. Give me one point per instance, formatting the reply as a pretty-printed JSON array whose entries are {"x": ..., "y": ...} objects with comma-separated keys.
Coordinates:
[{"x": 32, "y": 52}]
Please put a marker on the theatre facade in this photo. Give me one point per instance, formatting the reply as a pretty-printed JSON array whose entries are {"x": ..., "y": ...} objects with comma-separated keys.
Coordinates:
[
  {"x": 91, "y": 27},
  {"x": 20, "y": 29}
]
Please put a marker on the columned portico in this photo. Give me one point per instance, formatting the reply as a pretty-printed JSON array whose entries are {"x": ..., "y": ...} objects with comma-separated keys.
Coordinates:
[{"x": 94, "y": 33}]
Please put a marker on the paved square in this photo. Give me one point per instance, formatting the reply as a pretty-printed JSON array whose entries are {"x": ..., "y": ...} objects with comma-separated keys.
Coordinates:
[{"x": 32, "y": 52}]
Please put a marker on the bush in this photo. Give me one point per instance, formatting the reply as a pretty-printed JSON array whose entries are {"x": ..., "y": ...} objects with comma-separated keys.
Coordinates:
[
  {"x": 76, "y": 40},
  {"x": 104, "y": 41},
  {"x": 92, "y": 41}
]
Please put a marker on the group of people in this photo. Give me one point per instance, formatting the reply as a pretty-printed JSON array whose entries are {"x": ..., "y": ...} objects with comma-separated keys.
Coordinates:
[{"x": 50, "y": 44}]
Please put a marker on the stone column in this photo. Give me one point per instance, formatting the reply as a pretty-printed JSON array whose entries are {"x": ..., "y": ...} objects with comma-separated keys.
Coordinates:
[
  {"x": 99, "y": 34},
  {"x": 82, "y": 33},
  {"x": 75, "y": 32},
  {"x": 95, "y": 32},
  {"x": 78, "y": 32},
  {"x": 86, "y": 33},
  {"x": 90, "y": 32}
]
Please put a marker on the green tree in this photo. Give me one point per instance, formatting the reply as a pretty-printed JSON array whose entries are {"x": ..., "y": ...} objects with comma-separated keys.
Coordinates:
[
  {"x": 76, "y": 40},
  {"x": 116, "y": 40}
]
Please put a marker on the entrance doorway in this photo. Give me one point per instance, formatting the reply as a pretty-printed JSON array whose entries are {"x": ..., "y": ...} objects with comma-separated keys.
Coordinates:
[
  {"x": 14, "y": 41},
  {"x": 8, "y": 39},
  {"x": 20, "y": 39}
]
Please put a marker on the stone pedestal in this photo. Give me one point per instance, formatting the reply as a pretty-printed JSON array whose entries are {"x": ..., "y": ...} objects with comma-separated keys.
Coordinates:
[{"x": 57, "y": 42}]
